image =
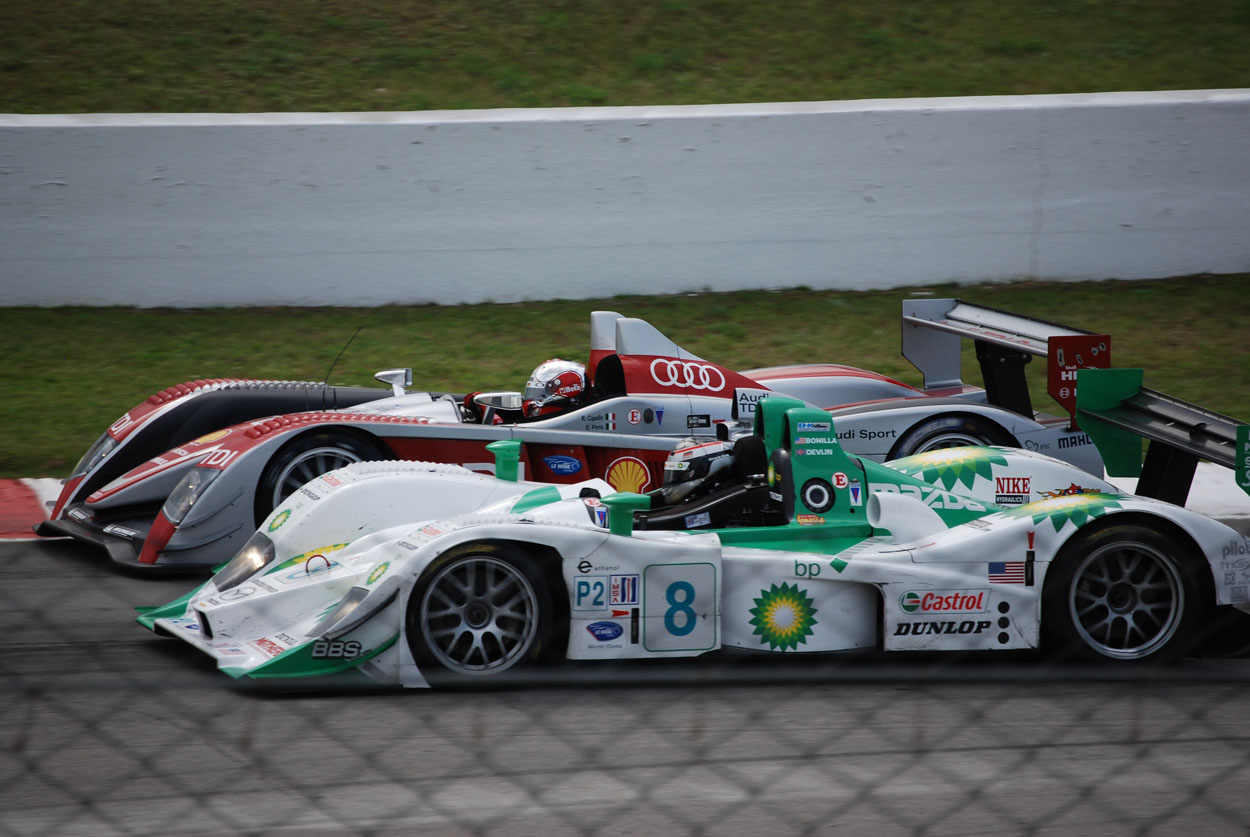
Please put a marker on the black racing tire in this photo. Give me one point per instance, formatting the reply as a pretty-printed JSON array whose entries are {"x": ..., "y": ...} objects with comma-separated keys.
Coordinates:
[
  {"x": 956, "y": 431},
  {"x": 478, "y": 615},
  {"x": 1123, "y": 594},
  {"x": 307, "y": 458}
]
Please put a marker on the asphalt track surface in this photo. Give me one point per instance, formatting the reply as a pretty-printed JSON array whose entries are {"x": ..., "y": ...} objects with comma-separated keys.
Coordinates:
[{"x": 110, "y": 729}]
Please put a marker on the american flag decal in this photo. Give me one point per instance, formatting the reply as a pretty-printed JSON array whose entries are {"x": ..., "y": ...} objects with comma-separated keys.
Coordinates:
[{"x": 1006, "y": 572}]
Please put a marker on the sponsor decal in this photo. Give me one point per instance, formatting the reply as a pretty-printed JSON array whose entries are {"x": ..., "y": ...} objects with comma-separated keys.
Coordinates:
[
  {"x": 209, "y": 438},
  {"x": 236, "y": 593},
  {"x": 686, "y": 375},
  {"x": 1072, "y": 490},
  {"x": 659, "y": 415},
  {"x": 1079, "y": 440},
  {"x": 783, "y": 617},
  {"x": 310, "y": 494},
  {"x": 432, "y": 531},
  {"x": 230, "y": 648},
  {"x": 932, "y": 497},
  {"x": 808, "y": 519},
  {"x": 949, "y": 467},
  {"x": 561, "y": 464},
  {"x": 624, "y": 589},
  {"x": 840, "y": 480},
  {"x": 121, "y": 532},
  {"x": 331, "y": 480},
  {"x": 1012, "y": 491},
  {"x": 945, "y": 601},
  {"x": 336, "y": 649},
  {"x": 270, "y": 647},
  {"x": 378, "y": 571},
  {"x": 279, "y": 519},
  {"x": 605, "y": 631},
  {"x": 871, "y": 435},
  {"x": 121, "y": 424},
  {"x": 264, "y": 586},
  {"x": 857, "y": 493},
  {"x": 1005, "y": 572},
  {"x": 634, "y": 416},
  {"x": 940, "y": 628},
  {"x": 628, "y": 474},
  {"x": 814, "y": 426},
  {"x": 408, "y": 545},
  {"x": 286, "y": 639},
  {"x": 601, "y": 516},
  {"x": 694, "y": 521},
  {"x": 1078, "y": 509},
  {"x": 648, "y": 416},
  {"x": 1233, "y": 548},
  {"x": 697, "y": 421}
]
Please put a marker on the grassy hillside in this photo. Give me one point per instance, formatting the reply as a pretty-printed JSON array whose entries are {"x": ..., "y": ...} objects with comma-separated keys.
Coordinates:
[{"x": 293, "y": 55}]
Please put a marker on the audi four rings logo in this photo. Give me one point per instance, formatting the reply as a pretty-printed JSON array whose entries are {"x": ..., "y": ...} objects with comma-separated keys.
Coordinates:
[{"x": 679, "y": 373}]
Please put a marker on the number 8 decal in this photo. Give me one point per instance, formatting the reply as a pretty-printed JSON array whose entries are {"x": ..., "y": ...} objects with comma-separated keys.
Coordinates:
[{"x": 680, "y": 607}]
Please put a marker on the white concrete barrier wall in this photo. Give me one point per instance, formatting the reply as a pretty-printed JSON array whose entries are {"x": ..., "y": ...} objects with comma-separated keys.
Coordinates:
[{"x": 505, "y": 205}]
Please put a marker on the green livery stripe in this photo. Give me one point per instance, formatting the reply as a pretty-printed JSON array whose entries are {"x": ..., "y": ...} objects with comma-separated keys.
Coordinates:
[
  {"x": 299, "y": 662},
  {"x": 178, "y": 607},
  {"x": 538, "y": 497}
]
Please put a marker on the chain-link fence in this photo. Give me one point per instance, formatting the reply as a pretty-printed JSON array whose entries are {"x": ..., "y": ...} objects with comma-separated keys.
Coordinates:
[{"x": 110, "y": 730}]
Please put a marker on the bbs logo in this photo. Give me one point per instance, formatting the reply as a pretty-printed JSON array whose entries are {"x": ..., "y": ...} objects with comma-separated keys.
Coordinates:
[{"x": 335, "y": 649}]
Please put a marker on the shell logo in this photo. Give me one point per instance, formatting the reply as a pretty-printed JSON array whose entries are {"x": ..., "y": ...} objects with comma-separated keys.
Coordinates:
[
  {"x": 211, "y": 437},
  {"x": 628, "y": 474}
]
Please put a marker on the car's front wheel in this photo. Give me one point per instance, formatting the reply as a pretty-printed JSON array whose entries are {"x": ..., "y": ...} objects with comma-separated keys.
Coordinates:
[
  {"x": 478, "y": 612},
  {"x": 1123, "y": 594}
]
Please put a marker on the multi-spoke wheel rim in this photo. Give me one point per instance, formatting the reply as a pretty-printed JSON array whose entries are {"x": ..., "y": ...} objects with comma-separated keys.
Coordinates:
[
  {"x": 479, "y": 615},
  {"x": 950, "y": 439},
  {"x": 307, "y": 466},
  {"x": 1126, "y": 600}
]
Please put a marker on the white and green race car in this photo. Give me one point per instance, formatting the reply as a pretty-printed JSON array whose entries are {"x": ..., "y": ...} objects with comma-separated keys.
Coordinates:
[{"x": 420, "y": 574}]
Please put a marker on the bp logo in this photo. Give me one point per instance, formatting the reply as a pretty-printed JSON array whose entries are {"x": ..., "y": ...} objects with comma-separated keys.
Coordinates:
[
  {"x": 909, "y": 602},
  {"x": 783, "y": 617},
  {"x": 379, "y": 571},
  {"x": 772, "y": 474},
  {"x": 277, "y": 522}
]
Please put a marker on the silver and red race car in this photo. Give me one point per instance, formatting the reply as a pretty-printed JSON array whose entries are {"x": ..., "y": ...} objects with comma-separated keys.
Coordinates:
[
  {"x": 781, "y": 542},
  {"x": 184, "y": 478}
]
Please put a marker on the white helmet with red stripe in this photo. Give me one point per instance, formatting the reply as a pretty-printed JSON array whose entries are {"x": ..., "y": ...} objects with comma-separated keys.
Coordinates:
[
  {"x": 555, "y": 385},
  {"x": 696, "y": 466}
]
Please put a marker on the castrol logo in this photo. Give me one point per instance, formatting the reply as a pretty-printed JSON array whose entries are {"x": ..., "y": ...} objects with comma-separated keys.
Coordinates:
[
  {"x": 680, "y": 373},
  {"x": 944, "y": 601}
]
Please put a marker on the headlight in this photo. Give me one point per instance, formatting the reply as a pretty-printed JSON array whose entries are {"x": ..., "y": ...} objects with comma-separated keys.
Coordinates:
[
  {"x": 184, "y": 495},
  {"x": 258, "y": 552},
  {"x": 95, "y": 455}
]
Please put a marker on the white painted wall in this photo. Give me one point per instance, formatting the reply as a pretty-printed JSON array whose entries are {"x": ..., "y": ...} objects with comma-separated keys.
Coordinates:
[{"x": 465, "y": 206}]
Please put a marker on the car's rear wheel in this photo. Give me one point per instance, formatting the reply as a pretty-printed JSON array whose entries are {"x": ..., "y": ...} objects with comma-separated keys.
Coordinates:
[
  {"x": 305, "y": 459},
  {"x": 478, "y": 613},
  {"x": 1122, "y": 594},
  {"x": 949, "y": 432}
]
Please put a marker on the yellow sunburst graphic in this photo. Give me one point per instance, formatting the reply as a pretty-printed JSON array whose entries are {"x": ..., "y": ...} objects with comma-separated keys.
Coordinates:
[
  {"x": 211, "y": 437},
  {"x": 947, "y": 456},
  {"x": 628, "y": 474}
]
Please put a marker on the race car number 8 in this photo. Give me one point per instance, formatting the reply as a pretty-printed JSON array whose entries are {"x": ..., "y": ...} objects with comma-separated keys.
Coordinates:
[{"x": 680, "y": 607}]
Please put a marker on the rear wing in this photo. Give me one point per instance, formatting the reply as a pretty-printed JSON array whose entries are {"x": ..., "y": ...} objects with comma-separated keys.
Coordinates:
[
  {"x": 1117, "y": 412},
  {"x": 933, "y": 331}
]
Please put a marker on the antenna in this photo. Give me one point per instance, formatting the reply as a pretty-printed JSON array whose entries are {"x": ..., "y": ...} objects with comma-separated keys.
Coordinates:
[{"x": 326, "y": 383}]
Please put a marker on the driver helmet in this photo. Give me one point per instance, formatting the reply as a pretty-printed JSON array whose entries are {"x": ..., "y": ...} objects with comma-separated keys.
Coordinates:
[
  {"x": 696, "y": 466},
  {"x": 555, "y": 385}
]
